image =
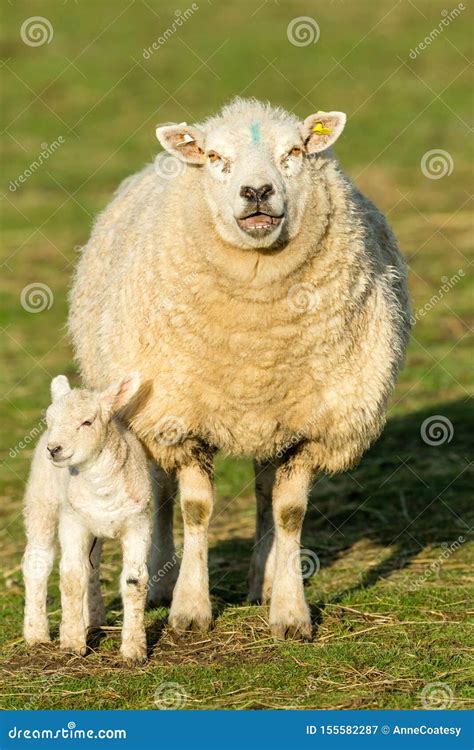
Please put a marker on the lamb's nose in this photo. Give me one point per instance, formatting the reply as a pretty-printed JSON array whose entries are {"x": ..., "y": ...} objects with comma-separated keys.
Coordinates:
[{"x": 54, "y": 450}]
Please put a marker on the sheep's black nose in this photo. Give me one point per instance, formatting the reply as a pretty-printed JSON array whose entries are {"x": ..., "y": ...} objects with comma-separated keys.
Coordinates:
[
  {"x": 256, "y": 195},
  {"x": 54, "y": 450},
  {"x": 264, "y": 192}
]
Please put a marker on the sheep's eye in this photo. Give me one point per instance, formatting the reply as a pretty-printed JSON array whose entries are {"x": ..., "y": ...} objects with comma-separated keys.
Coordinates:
[
  {"x": 296, "y": 151},
  {"x": 213, "y": 156},
  {"x": 87, "y": 423}
]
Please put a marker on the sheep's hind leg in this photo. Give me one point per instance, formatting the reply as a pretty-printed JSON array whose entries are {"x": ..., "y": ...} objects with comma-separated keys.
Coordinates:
[
  {"x": 262, "y": 564},
  {"x": 191, "y": 607},
  {"x": 289, "y": 613},
  {"x": 163, "y": 563}
]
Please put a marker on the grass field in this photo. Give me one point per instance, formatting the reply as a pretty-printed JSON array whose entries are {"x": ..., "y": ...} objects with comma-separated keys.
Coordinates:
[{"x": 391, "y": 598}]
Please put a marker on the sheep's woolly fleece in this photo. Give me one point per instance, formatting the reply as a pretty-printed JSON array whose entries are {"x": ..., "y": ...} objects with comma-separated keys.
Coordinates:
[{"x": 247, "y": 351}]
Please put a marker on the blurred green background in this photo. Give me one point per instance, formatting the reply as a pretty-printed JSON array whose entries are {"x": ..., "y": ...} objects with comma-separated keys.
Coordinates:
[{"x": 79, "y": 83}]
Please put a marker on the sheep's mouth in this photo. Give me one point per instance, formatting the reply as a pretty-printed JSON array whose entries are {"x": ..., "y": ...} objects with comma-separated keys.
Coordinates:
[{"x": 259, "y": 223}]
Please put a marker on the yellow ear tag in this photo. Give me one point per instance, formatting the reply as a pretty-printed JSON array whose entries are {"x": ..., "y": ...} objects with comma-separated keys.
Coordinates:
[{"x": 321, "y": 130}]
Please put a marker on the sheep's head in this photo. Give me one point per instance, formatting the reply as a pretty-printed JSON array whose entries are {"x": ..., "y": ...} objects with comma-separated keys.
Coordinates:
[
  {"x": 78, "y": 419},
  {"x": 254, "y": 161}
]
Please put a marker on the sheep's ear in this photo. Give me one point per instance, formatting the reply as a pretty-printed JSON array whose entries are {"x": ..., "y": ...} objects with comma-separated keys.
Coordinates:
[
  {"x": 59, "y": 387},
  {"x": 184, "y": 141},
  {"x": 119, "y": 394},
  {"x": 321, "y": 130}
]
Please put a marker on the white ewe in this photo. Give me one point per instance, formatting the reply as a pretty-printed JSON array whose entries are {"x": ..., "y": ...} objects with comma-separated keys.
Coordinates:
[
  {"x": 263, "y": 299},
  {"x": 92, "y": 473}
]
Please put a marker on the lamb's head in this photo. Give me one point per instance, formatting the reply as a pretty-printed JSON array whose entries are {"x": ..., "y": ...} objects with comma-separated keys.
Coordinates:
[
  {"x": 254, "y": 162},
  {"x": 78, "y": 419}
]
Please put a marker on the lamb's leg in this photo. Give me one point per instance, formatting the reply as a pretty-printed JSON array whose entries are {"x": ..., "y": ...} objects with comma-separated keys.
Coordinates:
[
  {"x": 163, "y": 564},
  {"x": 41, "y": 517},
  {"x": 133, "y": 587},
  {"x": 289, "y": 613},
  {"x": 262, "y": 565},
  {"x": 191, "y": 607},
  {"x": 74, "y": 569},
  {"x": 95, "y": 612}
]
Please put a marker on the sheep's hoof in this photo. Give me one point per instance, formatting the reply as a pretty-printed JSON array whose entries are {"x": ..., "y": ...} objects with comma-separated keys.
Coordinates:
[
  {"x": 133, "y": 656},
  {"x": 36, "y": 639},
  {"x": 181, "y": 623},
  {"x": 299, "y": 630},
  {"x": 79, "y": 648}
]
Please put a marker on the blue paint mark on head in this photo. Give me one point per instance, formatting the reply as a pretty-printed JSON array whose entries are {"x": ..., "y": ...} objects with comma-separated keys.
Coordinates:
[{"x": 255, "y": 130}]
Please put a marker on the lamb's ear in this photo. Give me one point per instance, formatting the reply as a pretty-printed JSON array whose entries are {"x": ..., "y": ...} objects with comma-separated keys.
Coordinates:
[
  {"x": 59, "y": 387},
  {"x": 120, "y": 393},
  {"x": 321, "y": 130},
  {"x": 184, "y": 141}
]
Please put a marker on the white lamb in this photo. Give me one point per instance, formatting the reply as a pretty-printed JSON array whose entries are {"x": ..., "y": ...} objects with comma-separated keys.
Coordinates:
[{"x": 92, "y": 474}]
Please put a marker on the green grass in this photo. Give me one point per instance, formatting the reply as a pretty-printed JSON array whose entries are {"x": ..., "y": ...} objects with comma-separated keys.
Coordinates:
[{"x": 390, "y": 602}]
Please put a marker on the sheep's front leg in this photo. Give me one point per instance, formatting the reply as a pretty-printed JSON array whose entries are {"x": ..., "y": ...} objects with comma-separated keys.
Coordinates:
[
  {"x": 191, "y": 607},
  {"x": 133, "y": 587},
  {"x": 262, "y": 565},
  {"x": 163, "y": 564},
  {"x": 74, "y": 569},
  {"x": 289, "y": 613}
]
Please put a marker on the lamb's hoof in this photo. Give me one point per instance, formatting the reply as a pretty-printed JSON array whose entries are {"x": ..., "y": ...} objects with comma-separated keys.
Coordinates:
[
  {"x": 133, "y": 656},
  {"x": 34, "y": 638},
  {"x": 79, "y": 648},
  {"x": 193, "y": 621},
  {"x": 298, "y": 630}
]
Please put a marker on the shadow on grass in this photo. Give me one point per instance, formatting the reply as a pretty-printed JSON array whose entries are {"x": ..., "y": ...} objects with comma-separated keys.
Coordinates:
[{"x": 405, "y": 495}]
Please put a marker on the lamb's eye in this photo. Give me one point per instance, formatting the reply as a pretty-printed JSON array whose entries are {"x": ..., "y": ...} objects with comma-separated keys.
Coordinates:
[
  {"x": 296, "y": 151},
  {"x": 213, "y": 156},
  {"x": 87, "y": 423}
]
